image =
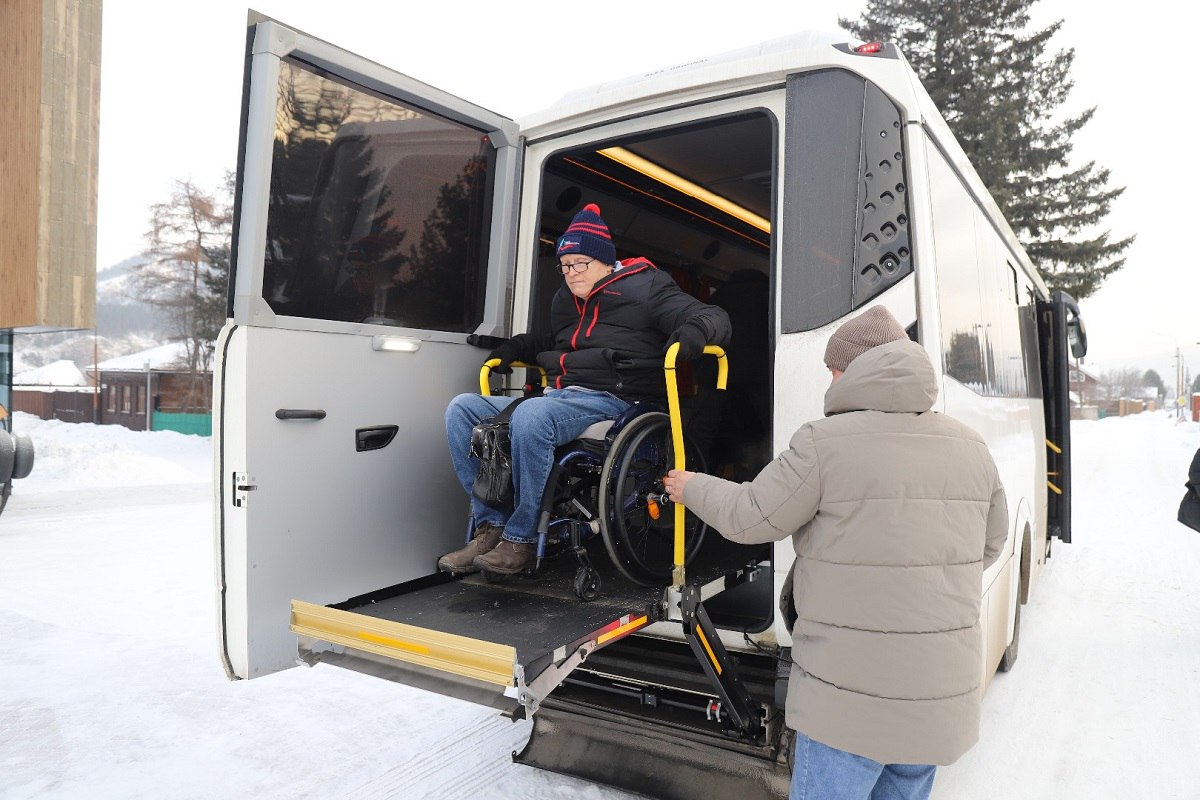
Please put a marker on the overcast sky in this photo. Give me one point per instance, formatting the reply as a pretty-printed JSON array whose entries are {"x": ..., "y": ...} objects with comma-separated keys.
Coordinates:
[{"x": 172, "y": 73}]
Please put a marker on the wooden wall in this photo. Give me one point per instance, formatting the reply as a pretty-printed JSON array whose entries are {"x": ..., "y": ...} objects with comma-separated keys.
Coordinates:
[{"x": 49, "y": 101}]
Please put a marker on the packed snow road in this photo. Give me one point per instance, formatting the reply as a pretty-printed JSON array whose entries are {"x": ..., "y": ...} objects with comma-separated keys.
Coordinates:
[{"x": 110, "y": 684}]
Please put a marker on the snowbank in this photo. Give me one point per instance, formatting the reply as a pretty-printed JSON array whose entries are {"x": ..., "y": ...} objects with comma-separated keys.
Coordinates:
[{"x": 83, "y": 455}]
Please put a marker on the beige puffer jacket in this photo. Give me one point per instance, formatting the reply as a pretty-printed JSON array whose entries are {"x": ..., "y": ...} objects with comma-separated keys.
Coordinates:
[{"x": 894, "y": 511}]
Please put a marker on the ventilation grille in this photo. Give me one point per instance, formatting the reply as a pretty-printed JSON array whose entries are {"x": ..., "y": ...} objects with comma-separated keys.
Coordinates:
[{"x": 884, "y": 252}]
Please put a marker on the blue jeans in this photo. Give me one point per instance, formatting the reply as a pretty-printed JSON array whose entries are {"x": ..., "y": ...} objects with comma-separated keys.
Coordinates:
[
  {"x": 537, "y": 426},
  {"x": 821, "y": 772}
]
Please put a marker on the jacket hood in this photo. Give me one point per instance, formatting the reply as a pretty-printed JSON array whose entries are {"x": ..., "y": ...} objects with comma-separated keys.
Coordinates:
[{"x": 895, "y": 377}]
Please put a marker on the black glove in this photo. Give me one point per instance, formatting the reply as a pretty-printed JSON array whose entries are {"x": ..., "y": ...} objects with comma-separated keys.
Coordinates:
[
  {"x": 691, "y": 342},
  {"x": 508, "y": 352}
]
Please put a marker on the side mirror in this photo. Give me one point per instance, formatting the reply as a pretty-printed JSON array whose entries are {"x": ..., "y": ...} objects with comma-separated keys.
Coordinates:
[
  {"x": 1077, "y": 337},
  {"x": 1076, "y": 333}
]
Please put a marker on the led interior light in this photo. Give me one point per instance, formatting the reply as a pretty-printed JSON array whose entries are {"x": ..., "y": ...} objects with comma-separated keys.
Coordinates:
[
  {"x": 668, "y": 178},
  {"x": 870, "y": 48},
  {"x": 395, "y": 344}
]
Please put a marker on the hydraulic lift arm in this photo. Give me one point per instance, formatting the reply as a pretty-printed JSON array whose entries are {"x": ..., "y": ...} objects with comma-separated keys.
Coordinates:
[{"x": 706, "y": 644}]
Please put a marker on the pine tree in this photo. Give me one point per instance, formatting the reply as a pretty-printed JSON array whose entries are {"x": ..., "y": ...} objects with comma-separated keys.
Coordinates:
[
  {"x": 1002, "y": 92},
  {"x": 1151, "y": 378}
]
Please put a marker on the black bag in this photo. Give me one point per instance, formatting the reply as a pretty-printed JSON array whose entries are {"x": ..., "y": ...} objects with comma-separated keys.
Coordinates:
[
  {"x": 490, "y": 443},
  {"x": 1189, "y": 511},
  {"x": 1189, "y": 508}
]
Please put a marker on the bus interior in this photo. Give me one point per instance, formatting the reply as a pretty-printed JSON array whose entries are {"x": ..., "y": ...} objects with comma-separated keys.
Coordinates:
[{"x": 697, "y": 201}]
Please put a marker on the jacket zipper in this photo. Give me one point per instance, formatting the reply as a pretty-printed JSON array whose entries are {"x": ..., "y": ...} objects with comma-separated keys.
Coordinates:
[{"x": 643, "y": 265}]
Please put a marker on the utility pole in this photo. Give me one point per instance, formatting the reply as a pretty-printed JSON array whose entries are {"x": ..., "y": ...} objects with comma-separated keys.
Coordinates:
[{"x": 1178, "y": 383}]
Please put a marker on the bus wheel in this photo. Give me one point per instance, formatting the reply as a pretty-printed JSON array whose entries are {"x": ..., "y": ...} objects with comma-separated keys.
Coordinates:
[{"x": 1010, "y": 653}]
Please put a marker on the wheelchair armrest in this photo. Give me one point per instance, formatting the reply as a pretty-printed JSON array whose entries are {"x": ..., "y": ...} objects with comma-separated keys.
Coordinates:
[{"x": 485, "y": 372}]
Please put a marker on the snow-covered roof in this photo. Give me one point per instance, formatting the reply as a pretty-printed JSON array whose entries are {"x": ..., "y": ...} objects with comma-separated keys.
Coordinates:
[
  {"x": 164, "y": 356},
  {"x": 57, "y": 373}
]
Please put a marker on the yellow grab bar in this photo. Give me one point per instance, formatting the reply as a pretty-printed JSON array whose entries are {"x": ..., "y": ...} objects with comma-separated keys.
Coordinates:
[
  {"x": 486, "y": 370},
  {"x": 677, "y": 576}
]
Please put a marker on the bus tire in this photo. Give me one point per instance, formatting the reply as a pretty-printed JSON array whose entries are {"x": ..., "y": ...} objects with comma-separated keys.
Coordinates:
[{"x": 1009, "y": 659}]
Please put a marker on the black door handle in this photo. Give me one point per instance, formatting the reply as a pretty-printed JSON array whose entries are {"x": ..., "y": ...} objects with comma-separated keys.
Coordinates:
[
  {"x": 374, "y": 438},
  {"x": 300, "y": 413}
]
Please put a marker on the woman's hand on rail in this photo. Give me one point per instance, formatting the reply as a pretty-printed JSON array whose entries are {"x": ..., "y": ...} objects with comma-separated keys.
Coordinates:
[{"x": 674, "y": 483}]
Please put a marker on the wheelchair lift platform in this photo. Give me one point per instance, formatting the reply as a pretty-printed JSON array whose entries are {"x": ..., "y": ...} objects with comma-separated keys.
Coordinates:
[{"x": 503, "y": 644}]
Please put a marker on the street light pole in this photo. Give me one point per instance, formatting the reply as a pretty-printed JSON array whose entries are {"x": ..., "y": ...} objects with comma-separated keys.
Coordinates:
[{"x": 149, "y": 402}]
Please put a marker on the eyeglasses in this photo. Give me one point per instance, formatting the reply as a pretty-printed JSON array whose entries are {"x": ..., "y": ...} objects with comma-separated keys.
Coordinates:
[{"x": 578, "y": 266}]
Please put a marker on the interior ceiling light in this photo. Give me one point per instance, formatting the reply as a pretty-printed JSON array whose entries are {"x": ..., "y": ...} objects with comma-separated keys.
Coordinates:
[{"x": 668, "y": 178}]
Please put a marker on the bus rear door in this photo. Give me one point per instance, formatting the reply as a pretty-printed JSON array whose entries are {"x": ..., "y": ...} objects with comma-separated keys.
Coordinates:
[{"x": 374, "y": 230}]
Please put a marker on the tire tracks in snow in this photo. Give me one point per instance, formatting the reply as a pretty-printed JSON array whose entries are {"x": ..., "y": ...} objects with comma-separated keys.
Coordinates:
[{"x": 460, "y": 764}]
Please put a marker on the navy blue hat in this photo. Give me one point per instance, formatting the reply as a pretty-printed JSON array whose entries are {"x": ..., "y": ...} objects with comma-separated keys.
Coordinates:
[{"x": 588, "y": 235}]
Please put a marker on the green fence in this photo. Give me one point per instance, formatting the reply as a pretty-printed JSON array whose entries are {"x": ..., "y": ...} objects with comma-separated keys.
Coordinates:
[{"x": 198, "y": 424}]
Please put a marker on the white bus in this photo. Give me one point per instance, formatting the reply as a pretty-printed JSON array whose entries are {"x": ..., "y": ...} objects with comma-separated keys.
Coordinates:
[{"x": 385, "y": 229}]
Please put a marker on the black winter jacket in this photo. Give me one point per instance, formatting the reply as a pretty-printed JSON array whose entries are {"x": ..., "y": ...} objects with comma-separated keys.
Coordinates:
[
  {"x": 1189, "y": 508},
  {"x": 613, "y": 340}
]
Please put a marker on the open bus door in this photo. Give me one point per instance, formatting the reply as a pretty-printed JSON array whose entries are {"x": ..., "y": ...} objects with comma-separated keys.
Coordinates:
[
  {"x": 1061, "y": 335},
  {"x": 374, "y": 229}
]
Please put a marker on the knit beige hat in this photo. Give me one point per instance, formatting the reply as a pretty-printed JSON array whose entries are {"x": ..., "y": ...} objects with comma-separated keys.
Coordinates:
[{"x": 873, "y": 327}]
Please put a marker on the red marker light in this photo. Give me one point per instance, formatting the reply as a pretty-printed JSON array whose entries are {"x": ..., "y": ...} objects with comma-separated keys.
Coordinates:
[{"x": 868, "y": 49}]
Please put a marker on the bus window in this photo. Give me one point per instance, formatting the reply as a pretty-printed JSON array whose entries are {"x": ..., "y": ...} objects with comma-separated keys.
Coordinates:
[{"x": 378, "y": 209}]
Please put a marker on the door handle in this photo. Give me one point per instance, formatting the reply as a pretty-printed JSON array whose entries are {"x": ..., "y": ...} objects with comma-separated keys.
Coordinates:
[
  {"x": 300, "y": 413},
  {"x": 375, "y": 437}
]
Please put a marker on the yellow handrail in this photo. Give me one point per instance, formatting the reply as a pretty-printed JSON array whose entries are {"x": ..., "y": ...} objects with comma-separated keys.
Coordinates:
[
  {"x": 677, "y": 574},
  {"x": 486, "y": 370}
]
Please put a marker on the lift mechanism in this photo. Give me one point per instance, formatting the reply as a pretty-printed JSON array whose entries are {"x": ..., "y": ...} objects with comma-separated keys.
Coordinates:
[{"x": 530, "y": 652}]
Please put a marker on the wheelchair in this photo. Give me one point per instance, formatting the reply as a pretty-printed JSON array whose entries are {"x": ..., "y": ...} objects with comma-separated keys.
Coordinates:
[{"x": 609, "y": 483}]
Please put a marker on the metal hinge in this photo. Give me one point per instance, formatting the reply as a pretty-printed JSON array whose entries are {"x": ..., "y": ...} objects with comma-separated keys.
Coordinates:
[{"x": 242, "y": 486}]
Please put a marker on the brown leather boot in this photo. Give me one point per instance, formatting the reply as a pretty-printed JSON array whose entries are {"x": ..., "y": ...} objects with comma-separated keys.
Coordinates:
[
  {"x": 486, "y": 537},
  {"x": 508, "y": 558}
]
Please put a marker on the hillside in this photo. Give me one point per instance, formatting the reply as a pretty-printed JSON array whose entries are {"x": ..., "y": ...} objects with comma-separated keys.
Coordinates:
[{"x": 123, "y": 325}]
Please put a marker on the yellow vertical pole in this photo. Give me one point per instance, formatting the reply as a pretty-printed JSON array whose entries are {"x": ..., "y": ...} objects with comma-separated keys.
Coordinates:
[{"x": 677, "y": 572}]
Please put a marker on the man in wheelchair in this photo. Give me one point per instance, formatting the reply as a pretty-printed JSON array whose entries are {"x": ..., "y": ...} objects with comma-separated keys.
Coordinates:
[{"x": 612, "y": 322}]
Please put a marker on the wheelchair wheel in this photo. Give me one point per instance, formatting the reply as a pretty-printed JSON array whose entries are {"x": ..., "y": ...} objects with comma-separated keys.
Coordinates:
[{"x": 640, "y": 541}]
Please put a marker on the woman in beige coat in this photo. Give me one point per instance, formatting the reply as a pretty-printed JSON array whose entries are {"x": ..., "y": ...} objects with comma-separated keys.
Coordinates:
[{"x": 894, "y": 512}]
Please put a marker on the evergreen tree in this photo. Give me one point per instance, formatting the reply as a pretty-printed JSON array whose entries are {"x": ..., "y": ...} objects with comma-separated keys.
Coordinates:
[
  {"x": 1001, "y": 92},
  {"x": 1152, "y": 378}
]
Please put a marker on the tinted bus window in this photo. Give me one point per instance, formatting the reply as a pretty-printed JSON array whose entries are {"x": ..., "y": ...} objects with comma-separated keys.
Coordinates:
[
  {"x": 978, "y": 292},
  {"x": 378, "y": 211},
  {"x": 958, "y": 276}
]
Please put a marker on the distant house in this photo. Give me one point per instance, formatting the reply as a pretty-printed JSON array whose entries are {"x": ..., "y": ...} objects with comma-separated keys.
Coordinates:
[
  {"x": 153, "y": 390},
  {"x": 56, "y": 391},
  {"x": 1085, "y": 387}
]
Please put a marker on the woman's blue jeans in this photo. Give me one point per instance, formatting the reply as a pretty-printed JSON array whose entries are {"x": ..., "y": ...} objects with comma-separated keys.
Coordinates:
[
  {"x": 821, "y": 772},
  {"x": 537, "y": 426}
]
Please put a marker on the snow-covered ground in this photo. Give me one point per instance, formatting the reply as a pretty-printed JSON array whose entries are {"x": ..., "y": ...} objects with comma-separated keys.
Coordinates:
[{"x": 110, "y": 686}]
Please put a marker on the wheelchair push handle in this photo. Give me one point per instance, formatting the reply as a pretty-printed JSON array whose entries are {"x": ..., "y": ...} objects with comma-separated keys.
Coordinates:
[
  {"x": 485, "y": 372},
  {"x": 677, "y": 574}
]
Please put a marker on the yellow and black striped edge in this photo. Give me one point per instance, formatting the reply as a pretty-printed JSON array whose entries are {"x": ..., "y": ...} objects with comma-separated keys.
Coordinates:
[{"x": 446, "y": 652}]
